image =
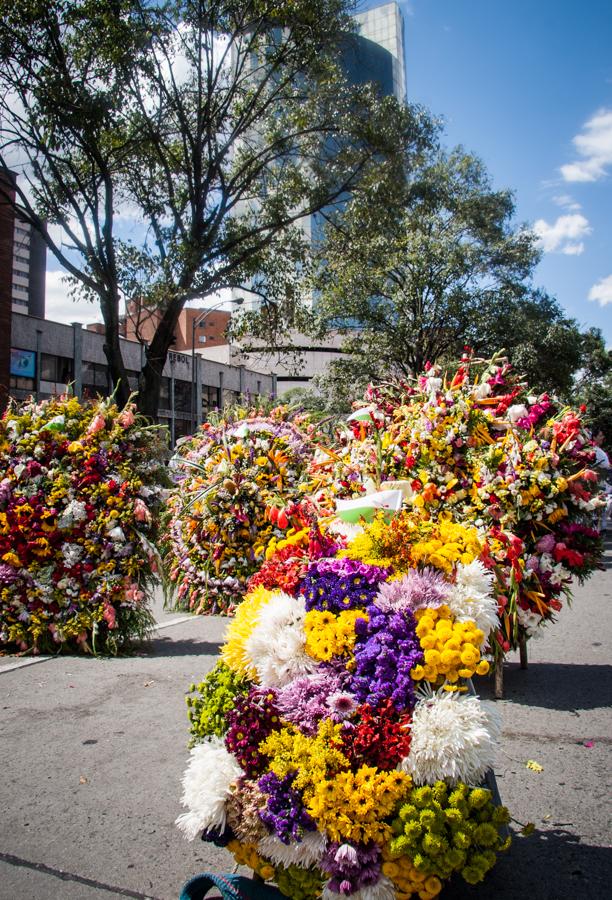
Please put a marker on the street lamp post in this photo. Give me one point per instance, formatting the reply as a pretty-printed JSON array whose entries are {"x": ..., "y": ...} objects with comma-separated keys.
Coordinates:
[{"x": 198, "y": 321}]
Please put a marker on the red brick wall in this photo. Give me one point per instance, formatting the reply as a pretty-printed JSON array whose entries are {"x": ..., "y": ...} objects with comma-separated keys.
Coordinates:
[{"x": 7, "y": 236}]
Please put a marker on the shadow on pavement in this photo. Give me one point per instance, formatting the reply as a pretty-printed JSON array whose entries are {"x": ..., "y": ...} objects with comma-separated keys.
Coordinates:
[
  {"x": 549, "y": 865},
  {"x": 166, "y": 646},
  {"x": 561, "y": 686}
]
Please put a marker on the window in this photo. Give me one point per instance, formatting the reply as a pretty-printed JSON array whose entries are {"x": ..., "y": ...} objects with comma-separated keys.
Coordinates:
[
  {"x": 182, "y": 396},
  {"x": 95, "y": 379},
  {"x": 59, "y": 369},
  {"x": 210, "y": 398}
]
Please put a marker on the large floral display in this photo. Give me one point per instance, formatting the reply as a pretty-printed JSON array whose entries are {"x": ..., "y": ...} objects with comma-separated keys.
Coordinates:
[
  {"x": 80, "y": 493},
  {"x": 239, "y": 482},
  {"x": 337, "y": 750},
  {"x": 479, "y": 447}
]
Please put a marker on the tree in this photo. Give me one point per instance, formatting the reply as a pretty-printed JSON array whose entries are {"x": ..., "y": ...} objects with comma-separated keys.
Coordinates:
[
  {"x": 417, "y": 276},
  {"x": 215, "y": 127},
  {"x": 594, "y": 385}
]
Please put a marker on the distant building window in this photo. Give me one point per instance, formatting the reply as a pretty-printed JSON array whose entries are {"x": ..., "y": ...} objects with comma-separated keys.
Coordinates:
[
  {"x": 17, "y": 301},
  {"x": 20, "y": 230},
  {"x": 20, "y": 287},
  {"x": 58, "y": 369}
]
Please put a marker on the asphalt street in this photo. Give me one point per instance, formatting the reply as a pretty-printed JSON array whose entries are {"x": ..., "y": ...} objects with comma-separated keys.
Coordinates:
[{"x": 93, "y": 751}]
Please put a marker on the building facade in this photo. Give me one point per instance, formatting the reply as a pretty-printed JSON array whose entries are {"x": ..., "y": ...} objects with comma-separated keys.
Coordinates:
[{"x": 47, "y": 356}]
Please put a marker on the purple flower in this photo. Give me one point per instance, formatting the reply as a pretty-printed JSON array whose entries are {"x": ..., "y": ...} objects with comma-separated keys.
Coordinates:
[
  {"x": 337, "y": 584},
  {"x": 414, "y": 591},
  {"x": 305, "y": 700},
  {"x": 352, "y": 866},
  {"x": 284, "y": 814},
  {"x": 387, "y": 649},
  {"x": 8, "y": 574}
]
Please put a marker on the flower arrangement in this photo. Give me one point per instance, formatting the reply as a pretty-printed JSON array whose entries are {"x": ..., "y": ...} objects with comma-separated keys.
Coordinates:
[
  {"x": 476, "y": 448},
  {"x": 336, "y": 750},
  {"x": 80, "y": 493},
  {"x": 239, "y": 485}
]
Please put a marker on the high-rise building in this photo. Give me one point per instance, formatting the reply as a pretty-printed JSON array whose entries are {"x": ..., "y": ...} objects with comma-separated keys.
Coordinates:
[
  {"x": 384, "y": 26},
  {"x": 29, "y": 267},
  {"x": 25, "y": 278},
  {"x": 374, "y": 54}
]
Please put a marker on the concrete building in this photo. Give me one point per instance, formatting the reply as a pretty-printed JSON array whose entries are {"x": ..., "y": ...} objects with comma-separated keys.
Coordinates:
[
  {"x": 29, "y": 269},
  {"x": 46, "y": 356}
]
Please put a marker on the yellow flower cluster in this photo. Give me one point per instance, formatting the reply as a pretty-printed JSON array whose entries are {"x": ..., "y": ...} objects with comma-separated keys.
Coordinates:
[
  {"x": 247, "y": 855},
  {"x": 233, "y": 652},
  {"x": 312, "y": 758},
  {"x": 407, "y": 880},
  {"x": 293, "y": 539},
  {"x": 352, "y": 806},
  {"x": 370, "y": 545},
  {"x": 447, "y": 544},
  {"x": 452, "y": 649},
  {"x": 330, "y": 635},
  {"x": 411, "y": 540}
]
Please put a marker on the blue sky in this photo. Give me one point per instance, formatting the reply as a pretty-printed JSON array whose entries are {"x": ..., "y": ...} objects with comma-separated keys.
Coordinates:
[{"x": 527, "y": 86}]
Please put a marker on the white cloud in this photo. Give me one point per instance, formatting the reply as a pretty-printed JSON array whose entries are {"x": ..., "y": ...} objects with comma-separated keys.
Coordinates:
[
  {"x": 564, "y": 235},
  {"x": 59, "y": 305},
  {"x": 594, "y": 146},
  {"x": 566, "y": 202},
  {"x": 602, "y": 291}
]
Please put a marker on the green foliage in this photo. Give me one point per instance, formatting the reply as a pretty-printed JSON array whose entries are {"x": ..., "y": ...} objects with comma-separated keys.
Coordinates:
[
  {"x": 214, "y": 698},
  {"x": 594, "y": 386},
  {"x": 216, "y": 125},
  {"x": 437, "y": 265}
]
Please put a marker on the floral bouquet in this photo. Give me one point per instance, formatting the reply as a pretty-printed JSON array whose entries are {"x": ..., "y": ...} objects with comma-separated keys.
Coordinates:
[
  {"x": 478, "y": 446},
  {"x": 240, "y": 485},
  {"x": 80, "y": 493},
  {"x": 335, "y": 747}
]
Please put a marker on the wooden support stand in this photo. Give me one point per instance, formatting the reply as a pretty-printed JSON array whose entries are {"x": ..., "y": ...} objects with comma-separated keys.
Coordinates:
[
  {"x": 499, "y": 676},
  {"x": 523, "y": 650}
]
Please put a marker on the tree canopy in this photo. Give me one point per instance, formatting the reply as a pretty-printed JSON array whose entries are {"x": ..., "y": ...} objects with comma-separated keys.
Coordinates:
[
  {"x": 438, "y": 265},
  {"x": 176, "y": 146}
]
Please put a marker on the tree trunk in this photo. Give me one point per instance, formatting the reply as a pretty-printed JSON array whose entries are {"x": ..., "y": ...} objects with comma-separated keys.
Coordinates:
[
  {"x": 112, "y": 349},
  {"x": 150, "y": 380}
]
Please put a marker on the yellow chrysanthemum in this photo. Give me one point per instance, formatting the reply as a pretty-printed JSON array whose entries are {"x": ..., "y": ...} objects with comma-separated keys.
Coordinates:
[{"x": 233, "y": 651}]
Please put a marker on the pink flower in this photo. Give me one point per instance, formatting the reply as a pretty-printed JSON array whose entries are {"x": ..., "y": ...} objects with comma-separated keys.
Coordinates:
[
  {"x": 97, "y": 424},
  {"x": 109, "y": 615},
  {"x": 141, "y": 513},
  {"x": 133, "y": 594},
  {"x": 127, "y": 417}
]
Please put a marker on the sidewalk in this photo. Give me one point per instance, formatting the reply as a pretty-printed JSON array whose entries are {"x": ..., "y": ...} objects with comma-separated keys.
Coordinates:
[{"x": 94, "y": 750}]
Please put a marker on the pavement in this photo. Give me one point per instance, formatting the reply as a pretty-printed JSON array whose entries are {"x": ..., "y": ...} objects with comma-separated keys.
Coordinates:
[{"x": 93, "y": 751}]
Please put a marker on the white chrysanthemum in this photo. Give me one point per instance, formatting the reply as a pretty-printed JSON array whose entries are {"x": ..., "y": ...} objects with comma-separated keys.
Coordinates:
[
  {"x": 453, "y": 738},
  {"x": 382, "y": 890},
  {"x": 275, "y": 646},
  {"x": 206, "y": 786},
  {"x": 472, "y": 597},
  {"x": 304, "y": 853}
]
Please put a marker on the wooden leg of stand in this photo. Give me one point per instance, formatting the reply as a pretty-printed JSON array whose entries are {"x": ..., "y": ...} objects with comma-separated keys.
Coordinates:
[
  {"x": 523, "y": 651},
  {"x": 499, "y": 677}
]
